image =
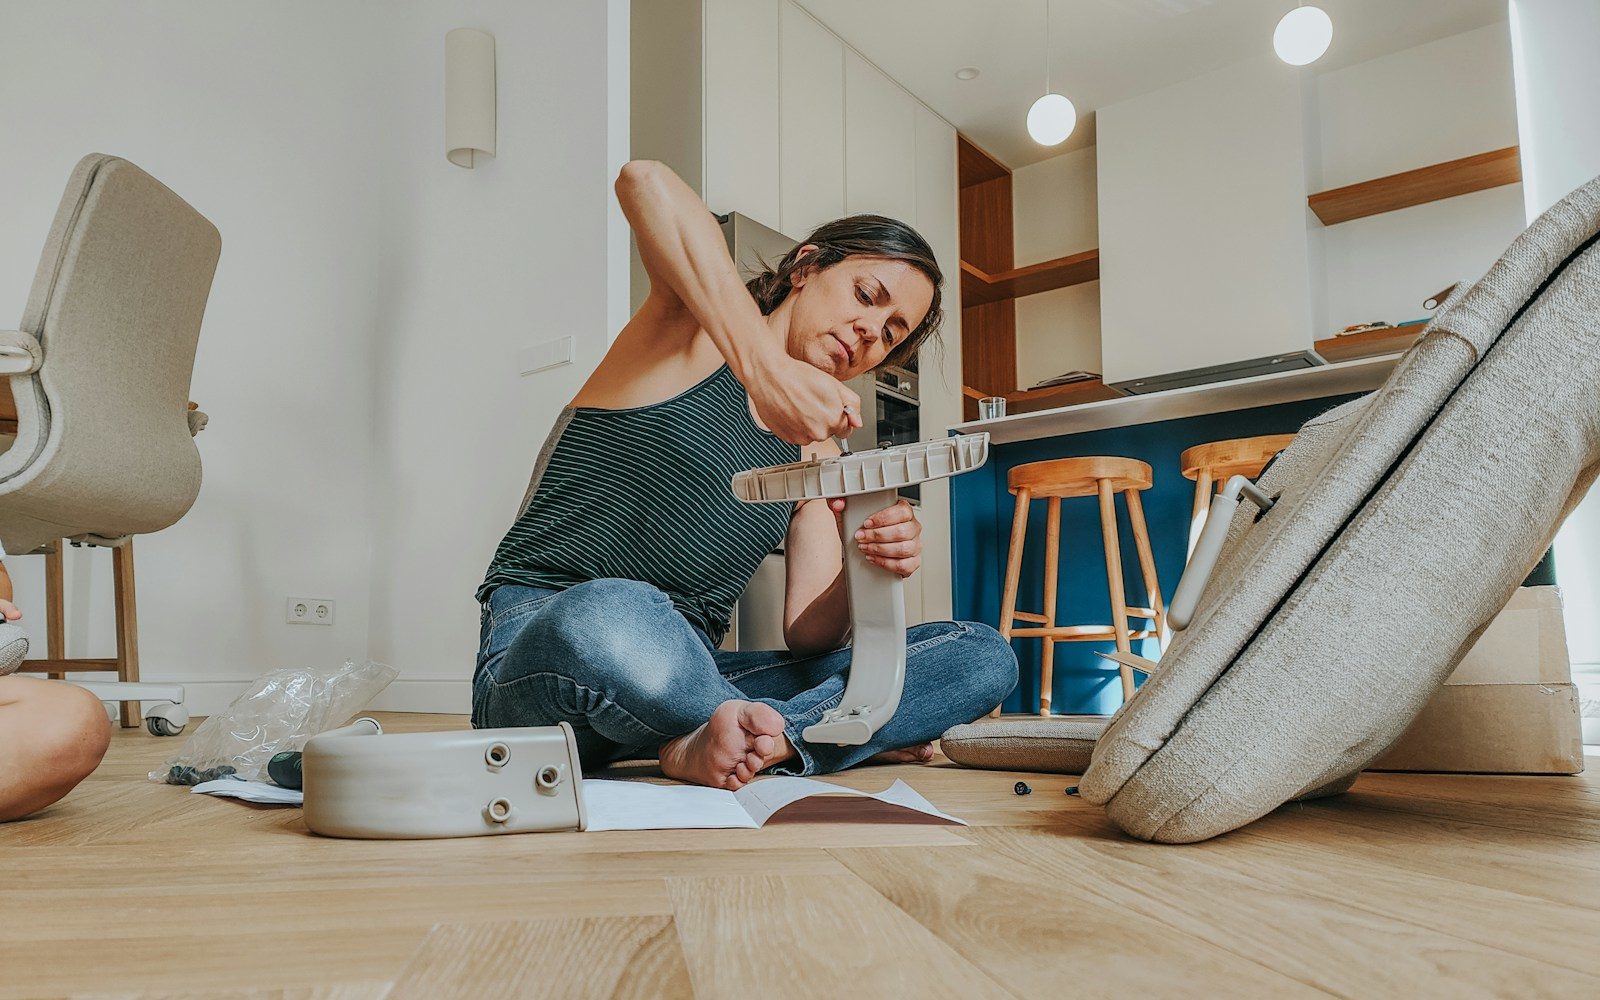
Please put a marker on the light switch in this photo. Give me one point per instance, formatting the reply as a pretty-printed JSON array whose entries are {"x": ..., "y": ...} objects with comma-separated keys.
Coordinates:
[{"x": 542, "y": 357}]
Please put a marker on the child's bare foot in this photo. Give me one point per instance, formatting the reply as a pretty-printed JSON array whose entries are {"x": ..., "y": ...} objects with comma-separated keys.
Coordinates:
[
  {"x": 739, "y": 739},
  {"x": 920, "y": 754}
]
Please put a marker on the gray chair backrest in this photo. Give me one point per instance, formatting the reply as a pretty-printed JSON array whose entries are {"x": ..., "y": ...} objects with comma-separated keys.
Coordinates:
[{"x": 103, "y": 445}]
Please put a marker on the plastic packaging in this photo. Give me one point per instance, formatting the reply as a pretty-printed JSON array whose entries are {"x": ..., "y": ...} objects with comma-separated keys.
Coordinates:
[{"x": 280, "y": 712}]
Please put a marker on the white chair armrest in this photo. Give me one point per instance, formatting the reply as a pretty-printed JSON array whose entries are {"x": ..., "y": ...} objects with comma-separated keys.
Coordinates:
[{"x": 20, "y": 353}]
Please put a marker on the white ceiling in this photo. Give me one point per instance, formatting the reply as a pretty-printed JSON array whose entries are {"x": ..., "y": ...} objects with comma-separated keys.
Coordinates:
[{"x": 1102, "y": 51}]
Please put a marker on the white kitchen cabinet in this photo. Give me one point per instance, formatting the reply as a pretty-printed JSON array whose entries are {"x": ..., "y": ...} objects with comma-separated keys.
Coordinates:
[
  {"x": 880, "y": 143},
  {"x": 741, "y": 108},
  {"x": 1202, "y": 195},
  {"x": 939, "y": 369},
  {"x": 811, "y": 109}
]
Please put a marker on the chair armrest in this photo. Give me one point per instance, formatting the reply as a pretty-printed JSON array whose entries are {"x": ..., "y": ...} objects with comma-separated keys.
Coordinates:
[{"x": 20, "y": 353}]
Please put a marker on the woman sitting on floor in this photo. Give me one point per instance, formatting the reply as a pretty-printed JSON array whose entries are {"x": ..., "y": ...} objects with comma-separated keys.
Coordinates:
[{"x": 604, "y": 604}]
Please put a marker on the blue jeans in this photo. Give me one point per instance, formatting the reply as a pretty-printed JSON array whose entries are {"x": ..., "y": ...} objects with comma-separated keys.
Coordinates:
[{"x": 618, "y": 662}]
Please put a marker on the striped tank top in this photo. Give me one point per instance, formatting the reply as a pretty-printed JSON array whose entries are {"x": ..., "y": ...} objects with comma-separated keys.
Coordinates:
[{"x": 642, "y": 494}]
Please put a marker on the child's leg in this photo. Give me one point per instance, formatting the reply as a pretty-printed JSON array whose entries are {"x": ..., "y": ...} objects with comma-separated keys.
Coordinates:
[{"x": 52, "y": 735}]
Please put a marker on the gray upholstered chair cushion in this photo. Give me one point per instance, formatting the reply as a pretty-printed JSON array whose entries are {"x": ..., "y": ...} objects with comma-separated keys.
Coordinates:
[
  {"x": 104, "y": 446},
  {"x": 13, "y": 647},
  {"x": 1404, "y": 523},
  {"x": 1058, "y": 745}
]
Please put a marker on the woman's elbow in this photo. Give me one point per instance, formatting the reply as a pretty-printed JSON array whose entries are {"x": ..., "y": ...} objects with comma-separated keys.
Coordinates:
[{"x": 637, "y": 171}]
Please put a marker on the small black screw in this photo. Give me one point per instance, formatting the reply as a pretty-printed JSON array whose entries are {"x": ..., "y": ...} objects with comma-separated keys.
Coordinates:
[{"x": 1021, "y": 788}]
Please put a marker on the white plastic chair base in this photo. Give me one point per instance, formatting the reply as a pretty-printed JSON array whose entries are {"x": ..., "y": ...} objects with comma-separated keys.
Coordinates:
[
  {"x": 469, "y": 783},
  {"x": 164, "y": 712},
  {"x": 867, "y": 480}
]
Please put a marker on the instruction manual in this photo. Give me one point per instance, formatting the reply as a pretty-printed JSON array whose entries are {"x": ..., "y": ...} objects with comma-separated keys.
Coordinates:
[{"x": 640, "y": 805}]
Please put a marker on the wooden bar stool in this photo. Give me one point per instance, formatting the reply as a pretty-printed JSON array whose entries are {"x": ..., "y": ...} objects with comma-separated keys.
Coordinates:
[
  {"x": 1212, "y": 465},
  {"x": 1062, "y": 478}
]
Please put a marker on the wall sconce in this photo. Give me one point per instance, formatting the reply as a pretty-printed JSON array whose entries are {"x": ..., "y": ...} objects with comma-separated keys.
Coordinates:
[{"x": 469, "y": 97}]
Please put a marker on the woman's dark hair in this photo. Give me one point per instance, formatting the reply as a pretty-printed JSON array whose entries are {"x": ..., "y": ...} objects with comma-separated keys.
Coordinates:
[{"x": 858, "y": 236}]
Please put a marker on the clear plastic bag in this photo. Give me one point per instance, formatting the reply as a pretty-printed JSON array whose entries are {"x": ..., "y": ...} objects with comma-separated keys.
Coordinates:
[{"x": 280, "y": 712}]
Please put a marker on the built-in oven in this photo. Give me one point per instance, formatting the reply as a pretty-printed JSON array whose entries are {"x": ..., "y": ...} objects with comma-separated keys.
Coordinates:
[
  {"x": 891, "y": 392},
  {"x": 897, "y": 416}
]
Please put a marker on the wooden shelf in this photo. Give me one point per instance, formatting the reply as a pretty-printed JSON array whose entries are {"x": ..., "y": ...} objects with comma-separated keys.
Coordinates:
[
  {"x": 1418, "y": 187},
  {"x": 1029, "y": 400},
  {"x": 978, "y": 288},
  {"x": 1369, "y": 344},
  {"x": 974, "y": 164}
]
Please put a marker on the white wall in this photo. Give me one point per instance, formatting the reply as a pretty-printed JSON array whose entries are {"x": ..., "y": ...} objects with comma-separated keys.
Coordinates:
[
  {"x": 268, "y": 129},
  {"x": 1558, "y": 89},
  {"x": 1429, "y": 104},
  {"x": 370, "y": 437},
  {"x": 480, "y": 264},
  {"x": 1203, "y": 249},
  {"x": 1054, "y": 213}
]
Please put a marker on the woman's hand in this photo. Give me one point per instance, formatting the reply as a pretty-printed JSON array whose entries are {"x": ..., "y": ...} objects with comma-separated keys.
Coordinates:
[
  {"x": 891, "y": 538},
  {"x": 798, "y": 402}
]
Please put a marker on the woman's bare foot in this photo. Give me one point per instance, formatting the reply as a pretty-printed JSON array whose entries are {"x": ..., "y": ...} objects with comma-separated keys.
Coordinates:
[
  {"x": 920, "y": 754},
  {"x": 739, "y": 739}
]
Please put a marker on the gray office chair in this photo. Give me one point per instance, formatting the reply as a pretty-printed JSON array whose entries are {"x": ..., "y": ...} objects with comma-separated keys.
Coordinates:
[{"x": 99, "y": 371}]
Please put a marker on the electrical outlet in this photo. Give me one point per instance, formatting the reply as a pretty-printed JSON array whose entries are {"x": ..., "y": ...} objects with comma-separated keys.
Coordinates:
[{"x": 309, "y": 611}]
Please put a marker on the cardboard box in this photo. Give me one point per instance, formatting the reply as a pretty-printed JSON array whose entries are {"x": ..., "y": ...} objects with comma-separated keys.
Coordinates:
[{"x": 1509, "y": 708}]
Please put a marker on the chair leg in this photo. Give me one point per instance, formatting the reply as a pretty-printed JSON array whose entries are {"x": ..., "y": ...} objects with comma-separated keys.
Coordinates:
[
  {"x": 55, "y": 606},
  {"x": 1052, "y": 560},
  {"x": 1119, "y": 602},
  {"x": 1008, "y": 598},
  {"x": 1202, "y": 506},
  {"x": 1147, "y": 565},
  {"x": 127, "y": 628}
]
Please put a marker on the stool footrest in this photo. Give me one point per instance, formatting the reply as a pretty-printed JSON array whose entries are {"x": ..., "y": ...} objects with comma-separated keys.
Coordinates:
[
  {"x": 1028, "y": 616},
  {"x": 1079, "y": 633}
]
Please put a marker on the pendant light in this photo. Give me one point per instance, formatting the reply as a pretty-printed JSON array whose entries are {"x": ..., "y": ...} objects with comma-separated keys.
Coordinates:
[
  {"x": 1052, "y": 117},
  {"x": 1303, "y": 35}
]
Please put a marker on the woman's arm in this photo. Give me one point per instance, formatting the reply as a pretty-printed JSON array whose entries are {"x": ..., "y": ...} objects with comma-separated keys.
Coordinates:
[
  {"x": 685, "y": 255},
  {"x": 816, "y": 602},
  {"x": 687, "y": 259}
]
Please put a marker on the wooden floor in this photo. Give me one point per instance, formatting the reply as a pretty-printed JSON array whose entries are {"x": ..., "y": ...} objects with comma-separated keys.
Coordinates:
[{"x": 1409, "y": 886}]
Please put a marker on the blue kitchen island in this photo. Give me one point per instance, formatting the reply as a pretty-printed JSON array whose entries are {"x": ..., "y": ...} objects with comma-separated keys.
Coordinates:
[{"x": 1154, "y": 428}]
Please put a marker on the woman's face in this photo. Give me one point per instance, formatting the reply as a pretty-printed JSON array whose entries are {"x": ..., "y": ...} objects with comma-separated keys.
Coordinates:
[{"x": 846, "y": 318}]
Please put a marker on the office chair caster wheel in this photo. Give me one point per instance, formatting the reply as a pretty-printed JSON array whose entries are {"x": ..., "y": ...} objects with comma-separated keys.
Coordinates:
[
  {"x": 161, "y": 727},
  {"x": 166, "y": 719}
]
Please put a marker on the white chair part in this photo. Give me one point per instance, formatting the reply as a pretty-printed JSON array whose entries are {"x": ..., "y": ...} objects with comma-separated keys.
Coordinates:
[
  {"x": 1206, "y": 550},
  {"x": 164, "y": 711},
  {"x": 361, "y": 783},
  {"x": 867, "y": 481}
]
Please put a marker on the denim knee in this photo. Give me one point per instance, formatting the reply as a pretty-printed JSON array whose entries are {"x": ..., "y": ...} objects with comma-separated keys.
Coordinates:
[
  {"x": 993, "y": 663},
  {"x": 599, "y": 633}
]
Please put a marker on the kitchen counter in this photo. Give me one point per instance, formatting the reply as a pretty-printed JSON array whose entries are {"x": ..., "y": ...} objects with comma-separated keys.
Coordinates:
[
  {"x": 1153, "y": 428},
  {"x": 1347, "y": 377}
]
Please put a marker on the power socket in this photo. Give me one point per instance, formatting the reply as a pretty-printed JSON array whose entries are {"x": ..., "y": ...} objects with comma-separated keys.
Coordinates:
[{"x": 309, "y": 611}]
